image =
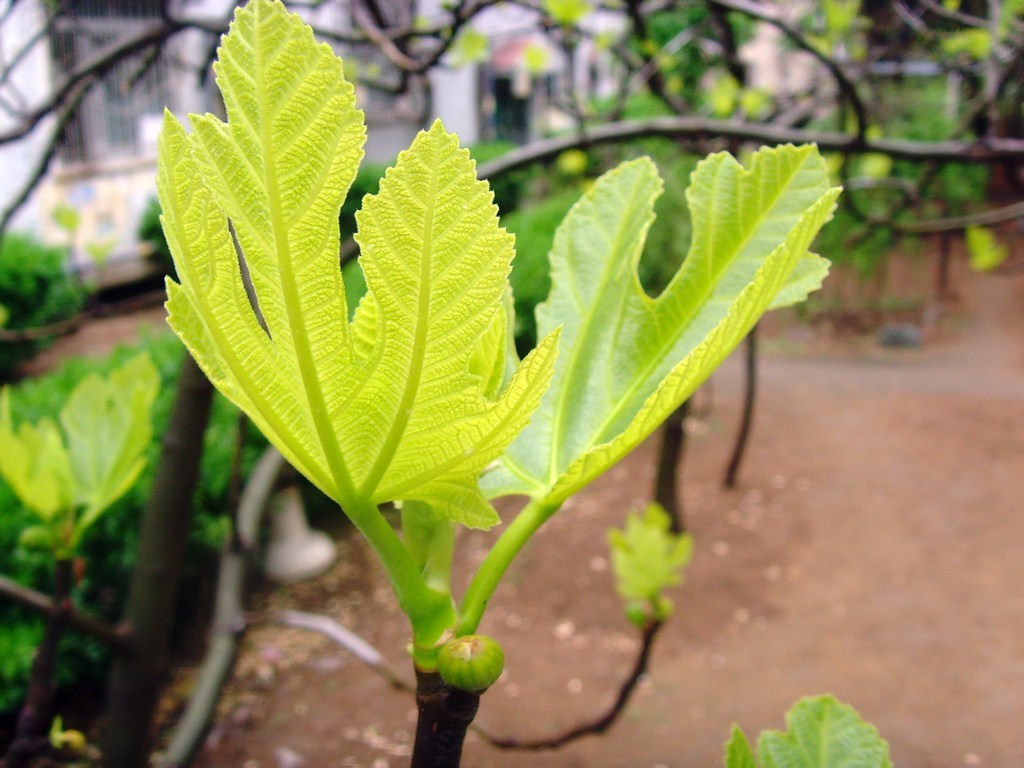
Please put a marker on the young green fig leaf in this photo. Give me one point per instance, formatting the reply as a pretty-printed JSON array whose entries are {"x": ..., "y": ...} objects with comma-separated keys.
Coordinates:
[
  {"x": 38, "y": 538},
  {"x": 567, "y": 12},
  {"x": 647, "y": 559},
  {"x": 983, "y": 249},
  {"x": 738, "y": 752},
  {"x": 108, "y": 428},
  {"x": 66, "y": 217},
  {"x": 823, "y": 733},
  {"x": 35, "y": 464},
  {"x": 393, "y": 406},
  {"x": 76, "y": 476},
  {"x": 471, "y": 662},
  {"x": 628, "y": 360}
]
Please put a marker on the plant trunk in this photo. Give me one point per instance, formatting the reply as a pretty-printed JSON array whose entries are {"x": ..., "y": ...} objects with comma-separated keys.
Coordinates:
[
  {"x": 943, "y": 292},
  {"x": 32, "y": 731},
  {"x": 444, "y": 717},
  {"x": 670, "y": 464},
  {"x": 228, "y": 623},
  {"x": 136, "y": 678},
  {"x": 747, "y": 420}
]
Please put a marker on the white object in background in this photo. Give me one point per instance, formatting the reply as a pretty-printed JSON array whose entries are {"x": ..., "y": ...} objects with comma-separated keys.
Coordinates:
[{"x": 296, "y": 551}]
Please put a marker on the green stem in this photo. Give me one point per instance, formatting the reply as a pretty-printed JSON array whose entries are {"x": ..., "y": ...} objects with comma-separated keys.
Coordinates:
[
  {"x": 487, "y": 577},
  {"x": 437, "y": 570},
  {"x": 430, "y": 611}
]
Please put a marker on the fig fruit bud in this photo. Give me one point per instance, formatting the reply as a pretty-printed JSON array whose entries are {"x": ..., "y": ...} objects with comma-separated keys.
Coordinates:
[{"x": 471, "y": 663}]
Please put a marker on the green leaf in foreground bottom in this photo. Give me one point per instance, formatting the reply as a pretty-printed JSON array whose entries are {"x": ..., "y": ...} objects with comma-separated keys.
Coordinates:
[
  {"x": 738, "y": 753},
  {"x": 823, "y": 733},
  {"x": 627, "y": 360}
]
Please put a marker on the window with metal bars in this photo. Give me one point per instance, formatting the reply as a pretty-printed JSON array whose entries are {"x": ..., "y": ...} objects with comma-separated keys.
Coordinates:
[{"x": 107, "y": 121}]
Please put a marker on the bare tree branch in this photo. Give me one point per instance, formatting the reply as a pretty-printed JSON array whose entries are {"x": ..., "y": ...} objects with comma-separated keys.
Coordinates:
[
  {"x": 845, "y": 85},
  {"x": 92, "y": 68},
  {"x": 64, "y": 113},
  {"x": 996, "y": 150},
  {"x": 43, "y": 604},
  {"x": 599, "y": 724}
]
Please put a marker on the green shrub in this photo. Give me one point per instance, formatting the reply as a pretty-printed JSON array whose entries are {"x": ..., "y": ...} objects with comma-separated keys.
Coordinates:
[
  {"x": 109, "y": 549},
  {"x": 36, "y": 290},
  {"x": 669, "y": 239}
]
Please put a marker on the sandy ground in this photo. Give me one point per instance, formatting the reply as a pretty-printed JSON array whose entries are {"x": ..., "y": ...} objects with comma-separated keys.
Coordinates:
[{"x": 872, "y": 550}]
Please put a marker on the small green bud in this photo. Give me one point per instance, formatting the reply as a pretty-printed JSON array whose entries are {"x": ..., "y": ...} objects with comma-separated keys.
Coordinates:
[
  {"x": 471, "y": 663},
  {"x": 38, "y": 538},
  {"x": 637, "y": 613}
]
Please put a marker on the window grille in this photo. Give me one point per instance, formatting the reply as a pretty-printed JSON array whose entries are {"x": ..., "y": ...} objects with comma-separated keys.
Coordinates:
[{"x": 106, "y": 124}]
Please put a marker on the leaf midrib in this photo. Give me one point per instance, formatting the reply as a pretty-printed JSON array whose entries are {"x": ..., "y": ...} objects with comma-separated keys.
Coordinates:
[
  {"x": 240, "y": 371},
  {"x": 305, "y": 358},
  {"x": 558, "y": 422},
  {"x": 391, "y": 442}
]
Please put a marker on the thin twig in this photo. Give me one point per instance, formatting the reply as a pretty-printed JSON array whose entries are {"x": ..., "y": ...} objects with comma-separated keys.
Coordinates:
[
  {"x": 72, "y": 324},
  {"x": 711, "y": 129},
  {"x": 229, "y": 623},
  {"x": 347, "y": 639},
  {"x": 370, "y": 656},
  {"x": 89, "y": 624},
  {"x": 599, "y": 724}
]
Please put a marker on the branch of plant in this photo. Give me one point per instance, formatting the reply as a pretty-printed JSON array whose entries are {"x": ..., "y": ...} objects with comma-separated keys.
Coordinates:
[
  {"x": 843, "y": 82},
  {"x": 366, "y": 653},
  {"x": 953, "y": 15},
  {"x": 229, "y": 621},
  {"x": 93, "y": 67},
  {"x": 730, "y": 51},
  {"x": 364, "y": 20},
  {"x": 72, "y": 324},
  {"x": 712, "y": 129},
  {"x": 347, "y": 639},
  {"x": 43, "y": 604},
  {"x": 599, "y": 724},
  {"x": 957, "y": 223},
  {"x": 30, "y": 734},
  {"x": 653, "y": 73},
  {"x": 27, "y": 46},
  {"x": 64, "y": 113}
]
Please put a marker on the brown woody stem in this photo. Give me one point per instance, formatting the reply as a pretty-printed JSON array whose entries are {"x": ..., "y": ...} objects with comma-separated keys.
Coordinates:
[
  {"x": 445, "y": 714},
  {"x": 30, "y": 735}
]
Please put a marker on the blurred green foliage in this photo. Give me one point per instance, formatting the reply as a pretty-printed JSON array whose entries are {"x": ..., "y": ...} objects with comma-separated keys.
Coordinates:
[
  {"x": 109, "y": 550},
  {"x": 36, "y": 289}
]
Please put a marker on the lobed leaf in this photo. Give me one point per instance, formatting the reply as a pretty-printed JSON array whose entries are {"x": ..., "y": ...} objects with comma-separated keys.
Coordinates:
[
  {"x": 738, "y": 753},
  {"x": 403, "y": 403},
  {"x": 436, "y": 264},
  {"x": 984, "y": 251},
  {"x": 34, "y": 463},
  {"x": 647, "y": 557},
  {"x": 108, "y": 428},
  {"x": 628, "y": 359},
  {"x": 823, "y": 733}
]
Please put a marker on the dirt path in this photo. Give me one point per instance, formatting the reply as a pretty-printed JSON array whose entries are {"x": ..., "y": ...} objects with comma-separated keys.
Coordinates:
[{"x": 873, "y": 551}]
